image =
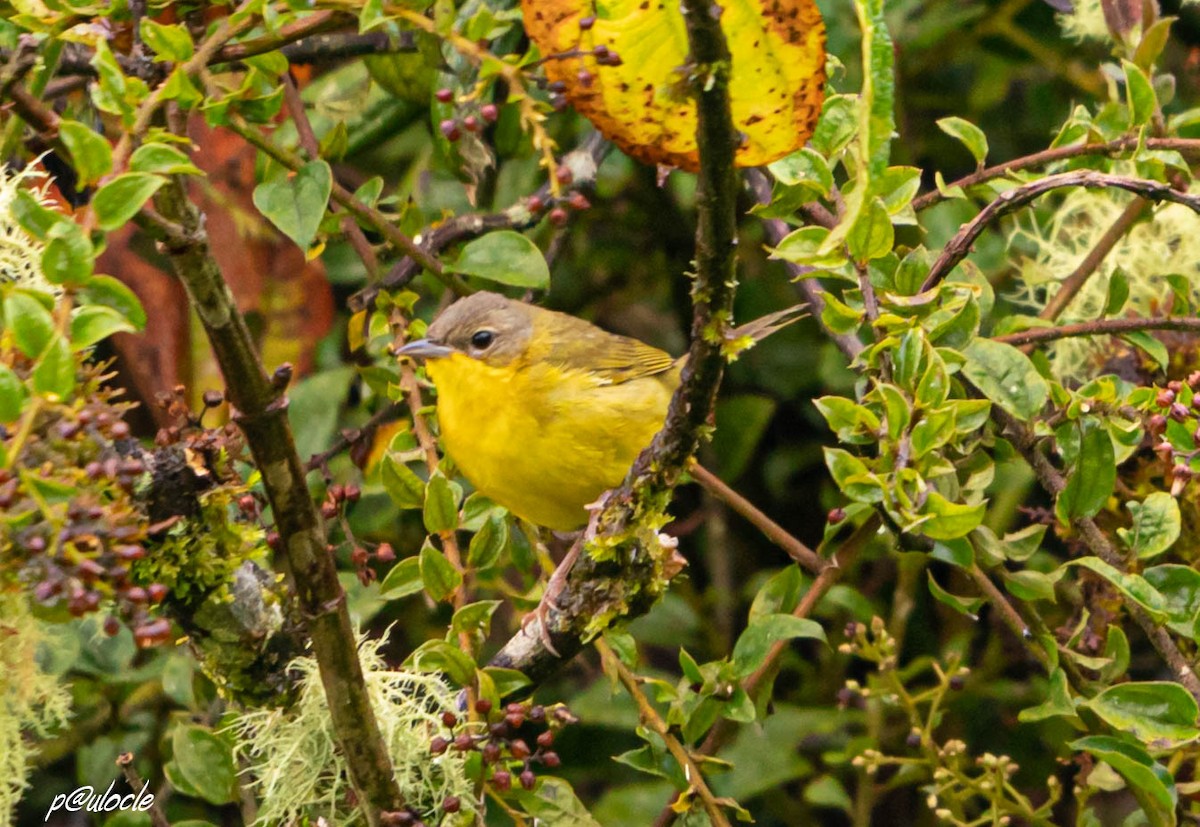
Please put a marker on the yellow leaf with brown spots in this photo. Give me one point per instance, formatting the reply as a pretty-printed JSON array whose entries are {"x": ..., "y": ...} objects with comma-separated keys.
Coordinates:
[{"x": 776, "y": 83}]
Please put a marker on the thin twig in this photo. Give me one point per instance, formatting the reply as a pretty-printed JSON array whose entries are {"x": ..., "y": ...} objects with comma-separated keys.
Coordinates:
[
  {"x": 1008, "y": 201},
  {"x": 1100, "y": 327},
  {"x": 650, "y": 718},
  {"x": 1185, "y": 146},
  {"x": 138, "y": 785},
  {"x": 770, "y": 529}
]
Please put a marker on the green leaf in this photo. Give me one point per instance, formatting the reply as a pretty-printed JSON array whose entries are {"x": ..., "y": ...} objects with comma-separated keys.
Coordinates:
[
  {"x": 163, "y": 159},
  {"x": 872, "y": 235},
  {"x": 110, "y": 292},
  {"x": 505, "y": 257},
  {"x": 437, "y": 573},
  {"x": 1161, "y": 714},
  {"x": 1028, "y": 584},
  {"x": 296, "y": 203},
  {"x": 404, "y": 579},
  {"x": 440, "y": 656},
  {"x": 95, "y": 323},
  {"x": 31, "y": 324},
  {"x": 949, "y": 520},
  {"x": 1155, "y": 349},
  {"x": 1118, "y": 292},
  {"x": 170, "y": 43},
  {"x": 401, "y": 484},
  {"x": 12, "y": 395},
  {"x": 553, "y": 803},
  {"x": 1150, "y": 782},
  {"x": 1006, "y": 376},
  {"x": 91, "y": 153},
  {"x": 1094, "y": 475},
  {"x": 206, "y": 762},
  {"x": 441, "y": 504},
  {"x": 120, "y": 199},
  {"x": 968, "y": 606},
  {"x": 1156, "y": 525},
  {"x": 474, "y": 618},
  {"x": 488, "y": 543},
  {"x": 972, "y": 137},
  {"x": 506, "y": 681},
  {"x": 1180, "y": 587},
  {"x": 67, "y": 258},
  {"x": 1139, "y": 95},
  {"x": 1058, "y": 701},
  {"x": 852, "y": 476},
  {"x": 752, "y": 646},
  {"x": 1133, "y": 586},
  {"x": 54, "y": 375}
]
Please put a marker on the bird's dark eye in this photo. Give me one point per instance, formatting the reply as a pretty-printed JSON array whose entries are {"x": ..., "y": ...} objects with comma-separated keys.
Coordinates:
[{"x": 482, "y": 339}]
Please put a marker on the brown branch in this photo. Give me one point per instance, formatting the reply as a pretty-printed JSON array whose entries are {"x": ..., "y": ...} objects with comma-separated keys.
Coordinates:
[
  {"x": 1100, "y": 327},
  {"x": 1185, "y": 146},
  {"x": 1024, "y": 440},
  {"x": 633, "y": 567},
  {"x": 134, "y": 779},
  {"x": 959, "y": 246},
  {"x": 261, "y": 413},
  {"x": 315, "y": 23},
  {"x": 770, "y": 529},
  {"x": 650, "y": 718}
]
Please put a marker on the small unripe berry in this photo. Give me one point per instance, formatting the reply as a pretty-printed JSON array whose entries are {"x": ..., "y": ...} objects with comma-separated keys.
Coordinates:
[
  {"x": 551, "y": 759},
  {"x": 502, "y": 780},
  {"x": 438, "y": 745},
  {"x": 586, "y": 23},
  {"x": 449, "y": 719},
  {"x": 1164, "y": 398},
  {"x": 451, "y": 804},
  {"x": 490, "y": 112},
  {"x": 444, "y": 95},
  {"x": 528, "y": 779},
  {"x": 585, "y": 78},
  {"x": 385, "y": 553},
  {"x": 483, "y": 706},
  {"x": 464, "y": 742},
  {"x": 449, "y": 130},
  {"x": 836, "y": 515},
  {"x": 471, "y": 123},
  {"x": 558, "y": 217},
  {"x": 519, "y": 749}
]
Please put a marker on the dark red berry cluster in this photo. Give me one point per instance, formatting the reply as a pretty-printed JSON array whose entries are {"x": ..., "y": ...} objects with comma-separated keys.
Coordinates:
[
  {"x": 502, "y": 739},
  {"x": 470, "y": 118},
  {"x": 75, "y": 523},
  {"x": 1174, "y": 428}
]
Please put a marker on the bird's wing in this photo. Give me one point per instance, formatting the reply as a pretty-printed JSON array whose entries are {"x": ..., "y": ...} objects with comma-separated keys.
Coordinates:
[{"x": 610, "y": 358}]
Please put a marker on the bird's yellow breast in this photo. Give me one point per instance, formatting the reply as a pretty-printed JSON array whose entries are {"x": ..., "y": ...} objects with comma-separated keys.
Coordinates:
[{"x": 541, "y": 440}]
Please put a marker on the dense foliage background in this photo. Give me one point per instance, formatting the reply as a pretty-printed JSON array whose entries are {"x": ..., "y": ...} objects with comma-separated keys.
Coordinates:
[{"x": 928, "y": 703}]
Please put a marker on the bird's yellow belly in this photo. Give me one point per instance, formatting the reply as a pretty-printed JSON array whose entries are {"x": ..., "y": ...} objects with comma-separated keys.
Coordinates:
[{"x": 542, "y": 442}]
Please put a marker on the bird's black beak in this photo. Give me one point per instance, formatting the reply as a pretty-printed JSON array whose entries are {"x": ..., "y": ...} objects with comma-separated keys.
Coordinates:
[{"x": 424, "y": 349}]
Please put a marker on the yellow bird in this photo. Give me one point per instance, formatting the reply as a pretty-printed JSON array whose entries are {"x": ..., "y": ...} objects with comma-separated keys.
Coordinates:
[{"x": 544, "y": 412}]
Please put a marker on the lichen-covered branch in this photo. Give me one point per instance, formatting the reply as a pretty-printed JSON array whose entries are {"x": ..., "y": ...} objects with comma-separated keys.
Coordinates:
[
  {"x": 261, "y": 411},
  {"x": 627, "y": 565}
]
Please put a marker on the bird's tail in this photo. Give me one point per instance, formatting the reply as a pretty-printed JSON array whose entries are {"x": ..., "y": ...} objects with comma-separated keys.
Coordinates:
[{"x": 764, "y": 326}]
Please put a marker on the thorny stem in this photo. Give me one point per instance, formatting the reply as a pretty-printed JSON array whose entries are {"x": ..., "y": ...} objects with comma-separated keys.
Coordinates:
[
  {"x": 650, "y": 718},
  {"x": 1185, "y": 146},
  {"x": 1101, "y": 327},
  {"x": 959, "y": 246}
]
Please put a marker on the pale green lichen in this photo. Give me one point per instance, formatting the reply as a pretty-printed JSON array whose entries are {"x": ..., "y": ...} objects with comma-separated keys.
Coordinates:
[
  {"x": 1152, "y": 250},
  {"x": 32, "y": 702},
  {"x": 298, "y": 773},
  {"x": 20, "y": 252}
]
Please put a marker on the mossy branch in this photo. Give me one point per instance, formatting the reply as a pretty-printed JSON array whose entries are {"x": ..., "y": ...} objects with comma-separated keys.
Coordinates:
[
  {"x": 261, "y": 412},
  {"x": 627, "y": 565}
]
